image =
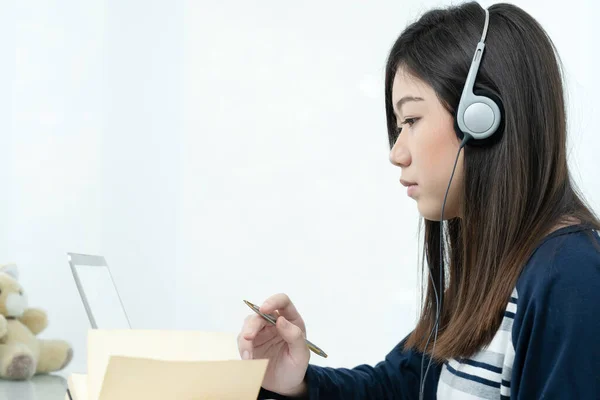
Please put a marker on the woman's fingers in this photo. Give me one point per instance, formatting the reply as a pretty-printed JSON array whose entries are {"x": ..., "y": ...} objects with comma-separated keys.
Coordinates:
[
  {"x": 252, "y": 325},
  {"x": 283, "y": 304}
]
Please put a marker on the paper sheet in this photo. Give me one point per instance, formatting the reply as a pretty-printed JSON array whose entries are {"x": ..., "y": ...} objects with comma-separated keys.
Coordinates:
[
  {"x": 78, "y": 386},
  {"x": 154, "y": 344},
  {"x": 138, "y": 378}
]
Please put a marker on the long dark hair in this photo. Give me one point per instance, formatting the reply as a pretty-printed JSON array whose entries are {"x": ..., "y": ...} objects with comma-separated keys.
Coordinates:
[{"x": 516, "y": 189}]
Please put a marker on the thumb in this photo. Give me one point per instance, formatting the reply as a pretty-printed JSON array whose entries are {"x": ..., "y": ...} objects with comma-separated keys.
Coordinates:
[{"x": 293, "y": 336}]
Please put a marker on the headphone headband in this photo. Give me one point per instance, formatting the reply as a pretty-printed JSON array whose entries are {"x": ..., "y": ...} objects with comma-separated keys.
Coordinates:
[{"x": 477, "y": 116}]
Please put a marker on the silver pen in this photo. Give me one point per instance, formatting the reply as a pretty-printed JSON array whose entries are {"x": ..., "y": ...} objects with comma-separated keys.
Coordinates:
[{"x": 272, "y": 319}]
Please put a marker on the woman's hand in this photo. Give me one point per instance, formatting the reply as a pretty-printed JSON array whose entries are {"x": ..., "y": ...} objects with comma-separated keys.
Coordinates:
[{"x": 282, "y": 344}]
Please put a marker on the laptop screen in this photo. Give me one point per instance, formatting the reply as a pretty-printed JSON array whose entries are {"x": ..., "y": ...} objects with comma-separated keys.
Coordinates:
[{"x": 98, "y": 292}]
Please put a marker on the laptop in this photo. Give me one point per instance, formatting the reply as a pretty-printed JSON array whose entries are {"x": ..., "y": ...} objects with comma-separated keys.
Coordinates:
[{"x": 98, "y": 292}]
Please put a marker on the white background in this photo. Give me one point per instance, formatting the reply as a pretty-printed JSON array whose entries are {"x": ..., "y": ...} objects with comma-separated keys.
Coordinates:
[{"x": 221, "y": 151}]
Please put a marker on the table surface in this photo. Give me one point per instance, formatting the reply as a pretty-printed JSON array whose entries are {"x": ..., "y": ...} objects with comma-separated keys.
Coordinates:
[{"x": 41, "y": 387}]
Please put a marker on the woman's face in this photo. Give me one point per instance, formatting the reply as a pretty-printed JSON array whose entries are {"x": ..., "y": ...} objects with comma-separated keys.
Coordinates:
[{"x": 426, "y": 148}]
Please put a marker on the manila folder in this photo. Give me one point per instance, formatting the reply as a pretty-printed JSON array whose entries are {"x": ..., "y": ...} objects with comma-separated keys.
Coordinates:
[
  {"x": 119, "y": 360},
  {"x": 137, "y": 378}
]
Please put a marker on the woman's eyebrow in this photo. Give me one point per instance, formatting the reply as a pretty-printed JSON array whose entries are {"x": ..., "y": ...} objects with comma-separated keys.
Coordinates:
[{"x": 405, "y": 100}]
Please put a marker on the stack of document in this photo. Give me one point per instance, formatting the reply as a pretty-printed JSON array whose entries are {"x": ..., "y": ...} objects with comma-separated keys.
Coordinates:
[{"x": 159, "y": 365}]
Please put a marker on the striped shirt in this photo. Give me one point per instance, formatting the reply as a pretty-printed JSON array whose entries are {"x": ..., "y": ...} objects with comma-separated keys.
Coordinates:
[
  {"x": 487, "y": 374},
  {"x": 547, "y": 346}
]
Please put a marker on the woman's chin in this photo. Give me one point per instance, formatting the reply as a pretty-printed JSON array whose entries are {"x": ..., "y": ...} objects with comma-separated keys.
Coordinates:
[
  {"x": 427, "y": 212},
  {"x": 433, "y": 212}
]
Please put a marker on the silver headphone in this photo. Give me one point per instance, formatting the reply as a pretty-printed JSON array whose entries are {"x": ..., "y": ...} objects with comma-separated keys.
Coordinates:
[{"x": 478, "y": 116}]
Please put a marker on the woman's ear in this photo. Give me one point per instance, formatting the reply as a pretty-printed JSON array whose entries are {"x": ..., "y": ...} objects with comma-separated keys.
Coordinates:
[{"x": 10, "y": 269}]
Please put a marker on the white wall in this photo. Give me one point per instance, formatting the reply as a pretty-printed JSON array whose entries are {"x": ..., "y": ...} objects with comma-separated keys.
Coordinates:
[
  {"x": 220, "y": 151},
  {"x": 90, "y": 163},
  {"x": 52, "y": 153},
  {"x": 286, "y": 182}
]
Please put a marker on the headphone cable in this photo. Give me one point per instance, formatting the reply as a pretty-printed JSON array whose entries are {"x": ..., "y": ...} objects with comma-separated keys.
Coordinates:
[{"x": 438, "y": 299}]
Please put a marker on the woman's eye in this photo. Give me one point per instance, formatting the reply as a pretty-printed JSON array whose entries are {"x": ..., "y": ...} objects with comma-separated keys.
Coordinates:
[{"x": 409, "y": 121}]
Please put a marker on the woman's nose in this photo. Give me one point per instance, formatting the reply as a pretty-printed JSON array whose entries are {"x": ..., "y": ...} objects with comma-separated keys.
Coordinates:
[{"x": 399, "y": 155}]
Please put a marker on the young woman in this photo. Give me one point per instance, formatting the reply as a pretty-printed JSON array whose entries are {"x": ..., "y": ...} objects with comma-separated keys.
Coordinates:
[{"x": 512, "y": 309}]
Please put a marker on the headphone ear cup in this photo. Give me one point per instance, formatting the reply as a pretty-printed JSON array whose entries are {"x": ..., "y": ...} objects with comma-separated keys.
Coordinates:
[{"x": 497, "y": 135}]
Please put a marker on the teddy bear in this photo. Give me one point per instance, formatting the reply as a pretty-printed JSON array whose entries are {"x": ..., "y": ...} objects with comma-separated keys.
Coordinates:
[{"x": 22, "y": 353}]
